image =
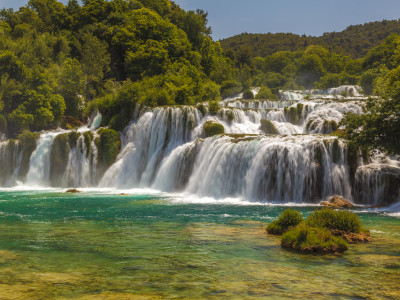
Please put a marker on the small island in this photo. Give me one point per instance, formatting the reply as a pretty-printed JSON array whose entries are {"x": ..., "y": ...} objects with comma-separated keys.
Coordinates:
[{"x": 324, "y": 231}]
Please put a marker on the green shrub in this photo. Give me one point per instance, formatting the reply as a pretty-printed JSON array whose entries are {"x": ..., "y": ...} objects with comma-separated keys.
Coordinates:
[
  {"x": 29, "y": 139},
  {"x": 335, "y": 220},
  {"x": 265, "y": 93},
  {"x": 230, "y": 88},
  {"x": 229, "y": 115},
  {"x": 214, "y": 106},
  {"x": 202, "y": 109},
  {"x": 213, "y": 128},
  {"x": 307, "y": 239},
  {"x": 248, "y": 95},
  {"x": 268, "y": 127},
  {"x": 116, "y": 123},
  {"x": 287, "y": 219},
  {"x": 3, "y": 124}
]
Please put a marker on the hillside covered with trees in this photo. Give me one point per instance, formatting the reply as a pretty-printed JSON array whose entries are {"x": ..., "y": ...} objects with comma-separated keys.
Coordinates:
[{"x": 355, "y": 41}]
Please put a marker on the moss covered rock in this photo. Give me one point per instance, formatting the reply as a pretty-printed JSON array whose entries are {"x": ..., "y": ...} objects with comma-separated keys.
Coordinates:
[
  {"x": 88, "y": 138},
  {"x": 108, "y": 145},
  {"x": 213, "y": 128},
  {"x": 59, "y": 158},
  {"x": 28, "y": 142},
  {"x": 268, "y": 127},
  {"x": 337, "y": 202}
]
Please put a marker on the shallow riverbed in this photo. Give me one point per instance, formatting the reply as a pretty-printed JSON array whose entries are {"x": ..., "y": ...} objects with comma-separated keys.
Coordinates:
[{"x": 100, "y": 244}]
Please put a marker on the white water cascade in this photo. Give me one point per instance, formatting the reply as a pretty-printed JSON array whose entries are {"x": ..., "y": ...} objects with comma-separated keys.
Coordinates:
[
  {"x": 39, "y": 165},
  {"x": 166, "y": 148}
]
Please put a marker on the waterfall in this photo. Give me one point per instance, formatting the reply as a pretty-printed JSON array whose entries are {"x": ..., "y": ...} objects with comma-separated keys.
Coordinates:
[
  {"x": 39, "y": 164},
  {"x": 10, "y": 162},
  {"x": 274, "y": 151},
  {"x": 275, "y": 169}
]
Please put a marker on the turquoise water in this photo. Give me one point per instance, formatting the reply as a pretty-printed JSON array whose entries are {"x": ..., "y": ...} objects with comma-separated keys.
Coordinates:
[{"x": 105, "y": 246}]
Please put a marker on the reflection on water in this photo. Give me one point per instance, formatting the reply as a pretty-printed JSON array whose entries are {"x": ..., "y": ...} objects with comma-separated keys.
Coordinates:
[{"x": 93, "y": 246}]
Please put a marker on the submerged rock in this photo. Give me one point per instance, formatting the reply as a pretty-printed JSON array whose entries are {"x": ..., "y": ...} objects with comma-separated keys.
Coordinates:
[
  {"x": 337, "y": 202},
  {"x": 73, "y": 191}
]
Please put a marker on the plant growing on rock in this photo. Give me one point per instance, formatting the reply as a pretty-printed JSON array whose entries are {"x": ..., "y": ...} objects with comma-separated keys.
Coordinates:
[
  {"x": 335, "y": 220},
  {"x": 310, "y": 239},
  {"x": 212, "y": 128},
  {"x": 213, "y": 107},
  {"x": 288, "y": 218}
]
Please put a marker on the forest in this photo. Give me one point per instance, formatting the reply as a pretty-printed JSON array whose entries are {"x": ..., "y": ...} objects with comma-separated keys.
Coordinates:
[{"x": 60, "y": 63}]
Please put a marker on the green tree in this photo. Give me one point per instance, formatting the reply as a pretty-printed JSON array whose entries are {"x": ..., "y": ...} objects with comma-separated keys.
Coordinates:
[{"x": 95, "y": 60}]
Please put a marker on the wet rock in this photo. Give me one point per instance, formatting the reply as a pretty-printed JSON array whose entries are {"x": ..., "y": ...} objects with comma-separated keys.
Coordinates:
[
  {"x": 351, "y": 237},
  {"x": 73, "y": 191},
  {"x": 337, "y": 202}
]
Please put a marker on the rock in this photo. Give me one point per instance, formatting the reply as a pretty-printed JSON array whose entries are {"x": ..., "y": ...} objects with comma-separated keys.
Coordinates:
[
  {"x": 73, "y": 191},
  {"x": 351, "y": 237},
  {"x": 337, "y": 202}
]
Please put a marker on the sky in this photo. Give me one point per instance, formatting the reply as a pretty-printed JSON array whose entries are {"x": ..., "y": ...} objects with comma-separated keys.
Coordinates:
[{"x": 310, "y": 17}]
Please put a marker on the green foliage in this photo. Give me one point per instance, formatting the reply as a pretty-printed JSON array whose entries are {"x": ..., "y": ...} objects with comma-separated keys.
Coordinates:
[
  {"x": 335, "y": 220},
  {"x": 212, "y": 128},
  {"x": 28, "y": 139},
  {"x": 367, "y": 81},
  {"x": 287, "y": 219},
  {"x": 214, "y": 107},
  {"x": 116, "y": 123},
  {"x": 3, "y": 124},
  {"x": 230, "y": 88},
  {"x": 248, "y": 95},
  {"x": 201, "y": 107},
  {"x": 108, "y": 145},
  {"x": 268, "y": 127},
  {"x": 354, "y": 41},
  {"x": 265, "y": 93},
  {"x": 307, "y": 239}
]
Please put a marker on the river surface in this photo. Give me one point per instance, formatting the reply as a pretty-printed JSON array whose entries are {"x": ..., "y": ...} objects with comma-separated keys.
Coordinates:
[{"x": 148, "y": 245}]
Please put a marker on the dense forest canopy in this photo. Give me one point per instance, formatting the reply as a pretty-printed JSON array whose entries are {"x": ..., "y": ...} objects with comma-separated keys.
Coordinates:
[
  {"x": 355, "y": 41},
  {"x": 59, "y": 63}
]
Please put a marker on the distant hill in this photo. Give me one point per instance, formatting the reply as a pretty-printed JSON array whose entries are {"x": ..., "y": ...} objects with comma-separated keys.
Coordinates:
[{"x": 354, "y": 41}]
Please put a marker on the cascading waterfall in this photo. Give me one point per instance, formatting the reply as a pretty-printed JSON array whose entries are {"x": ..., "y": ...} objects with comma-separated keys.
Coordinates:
[
  {"x": 275, "y": 169},
  {"x": 39, "y": 165},
  {"x": 165, "y": 148}
]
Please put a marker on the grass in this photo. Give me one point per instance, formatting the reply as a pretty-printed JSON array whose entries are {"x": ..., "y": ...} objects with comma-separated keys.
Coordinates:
[
  {"x": 288, "y": 218},
  {"x": 311, "y": 239},
  {"x": 335, "y": 220},
  {"x": 318, "y": 233}
]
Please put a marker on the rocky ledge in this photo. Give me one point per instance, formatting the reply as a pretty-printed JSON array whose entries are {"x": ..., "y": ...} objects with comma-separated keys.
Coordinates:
[
  {"x": 353, "y": 238},
  {"x": 337, "y": 202},
  {"x": 73, "y": 191}
]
